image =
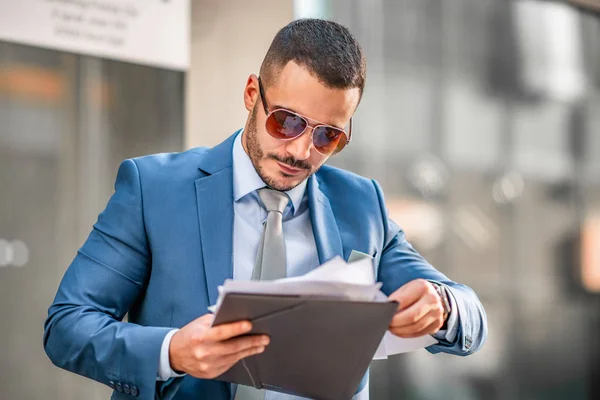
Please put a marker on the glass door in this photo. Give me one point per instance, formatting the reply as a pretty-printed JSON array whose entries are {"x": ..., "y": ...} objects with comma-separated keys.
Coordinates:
[{"x": 66, "y": 123}]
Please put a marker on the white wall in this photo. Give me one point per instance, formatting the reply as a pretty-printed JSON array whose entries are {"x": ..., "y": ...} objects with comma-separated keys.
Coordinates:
[{"x": 229, "y": 41}]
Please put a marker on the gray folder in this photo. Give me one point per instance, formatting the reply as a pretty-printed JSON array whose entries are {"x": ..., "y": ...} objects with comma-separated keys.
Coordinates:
[{"x": 320, "y": 347}]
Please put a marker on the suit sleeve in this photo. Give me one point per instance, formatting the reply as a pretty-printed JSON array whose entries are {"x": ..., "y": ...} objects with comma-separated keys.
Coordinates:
[
  {"x": 400, "y": 263},
  {"x": 84, "y": 332}
]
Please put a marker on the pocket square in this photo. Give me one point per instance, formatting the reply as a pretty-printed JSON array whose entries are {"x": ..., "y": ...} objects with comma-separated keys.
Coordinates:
[{"x": 358, "y": 255}]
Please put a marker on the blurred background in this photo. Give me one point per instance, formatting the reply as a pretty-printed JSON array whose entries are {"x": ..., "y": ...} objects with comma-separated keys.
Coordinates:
[{"x": 481, "y": 120}]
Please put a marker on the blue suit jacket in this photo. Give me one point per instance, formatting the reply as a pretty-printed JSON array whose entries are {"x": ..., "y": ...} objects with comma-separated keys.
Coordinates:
[{"x": 163, "y": 245}]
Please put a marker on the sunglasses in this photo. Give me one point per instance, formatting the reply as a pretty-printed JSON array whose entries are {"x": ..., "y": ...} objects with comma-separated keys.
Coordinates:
[{"x": 284, "y": 124}]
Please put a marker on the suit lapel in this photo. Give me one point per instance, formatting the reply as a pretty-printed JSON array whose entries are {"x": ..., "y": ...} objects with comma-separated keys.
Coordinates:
[
  {"x": 214, "y": 196},
  {"x": 324, "y": 225}
]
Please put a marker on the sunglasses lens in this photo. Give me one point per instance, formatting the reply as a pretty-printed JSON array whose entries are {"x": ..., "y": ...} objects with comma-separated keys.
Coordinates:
[
  {"x": 328, "y": 140},
  {"x": 283, "y": 124}
]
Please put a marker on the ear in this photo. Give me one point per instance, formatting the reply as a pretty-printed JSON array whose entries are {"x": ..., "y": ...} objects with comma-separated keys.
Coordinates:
[{"x": 251, "y": 92}]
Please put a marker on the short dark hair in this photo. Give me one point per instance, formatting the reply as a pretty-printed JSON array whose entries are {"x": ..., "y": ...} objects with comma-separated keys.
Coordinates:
[{"x": 327, "y": 49}]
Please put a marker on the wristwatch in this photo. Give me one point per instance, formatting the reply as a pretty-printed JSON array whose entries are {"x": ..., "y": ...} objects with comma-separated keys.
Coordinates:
[{"x": 444, "y": 295}]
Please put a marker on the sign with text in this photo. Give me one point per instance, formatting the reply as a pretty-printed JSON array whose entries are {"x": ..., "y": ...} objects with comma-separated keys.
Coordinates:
[{"x": 151, "y": 32}]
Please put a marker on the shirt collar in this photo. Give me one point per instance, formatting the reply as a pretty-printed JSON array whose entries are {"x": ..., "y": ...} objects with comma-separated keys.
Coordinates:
[{"x": 246, "y": 179}]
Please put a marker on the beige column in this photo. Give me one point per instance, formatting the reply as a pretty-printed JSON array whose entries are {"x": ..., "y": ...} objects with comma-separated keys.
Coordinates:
[{"x": 229, "y": 41}]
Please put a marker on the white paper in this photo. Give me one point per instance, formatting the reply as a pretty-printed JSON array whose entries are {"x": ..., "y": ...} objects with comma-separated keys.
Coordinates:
[
  {"x": 353, "y": 281},
  {"x": 392, "y": 344},
  {"x": 337, "y": 270},
  {"x": 339, "y": 290}
]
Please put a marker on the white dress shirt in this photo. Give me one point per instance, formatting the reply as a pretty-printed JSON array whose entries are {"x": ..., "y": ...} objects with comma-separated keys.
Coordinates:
[{"x": 301, "y": 249}]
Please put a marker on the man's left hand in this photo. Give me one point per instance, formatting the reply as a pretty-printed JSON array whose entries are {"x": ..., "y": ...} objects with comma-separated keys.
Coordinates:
[{"x": 420, "y": 311}]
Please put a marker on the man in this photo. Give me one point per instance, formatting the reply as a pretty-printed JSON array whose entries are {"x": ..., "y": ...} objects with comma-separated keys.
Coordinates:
[{"x": 178, "y": 225}]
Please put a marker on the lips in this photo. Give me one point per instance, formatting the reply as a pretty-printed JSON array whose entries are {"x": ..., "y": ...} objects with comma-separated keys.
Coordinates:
[{"x": 288, "y": 170}]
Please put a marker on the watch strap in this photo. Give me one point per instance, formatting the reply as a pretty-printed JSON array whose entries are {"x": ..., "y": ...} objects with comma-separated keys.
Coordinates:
[{"x": 444, "y": 296}]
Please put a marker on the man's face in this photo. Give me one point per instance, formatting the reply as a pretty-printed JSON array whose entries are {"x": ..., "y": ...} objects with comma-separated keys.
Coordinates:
[{"x": 284, "y": 164}]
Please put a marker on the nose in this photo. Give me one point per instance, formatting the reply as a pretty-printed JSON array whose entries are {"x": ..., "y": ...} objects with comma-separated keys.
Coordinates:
[{"x": 300, "y": 147}]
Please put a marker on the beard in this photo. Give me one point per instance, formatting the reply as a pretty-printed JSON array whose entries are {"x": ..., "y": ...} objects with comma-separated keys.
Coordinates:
[{"x": 256, "y": 154}]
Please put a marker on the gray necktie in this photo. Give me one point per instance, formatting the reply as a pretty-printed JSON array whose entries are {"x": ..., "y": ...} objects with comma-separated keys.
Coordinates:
[{"x": 270, "y": 260}]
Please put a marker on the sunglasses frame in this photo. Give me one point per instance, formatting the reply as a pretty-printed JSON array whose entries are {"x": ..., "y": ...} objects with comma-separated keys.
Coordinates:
[{"x": 307, "y": 121}]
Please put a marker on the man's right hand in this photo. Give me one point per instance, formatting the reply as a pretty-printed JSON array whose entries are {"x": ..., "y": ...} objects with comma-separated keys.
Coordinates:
[{"x": 207, "y": 352}]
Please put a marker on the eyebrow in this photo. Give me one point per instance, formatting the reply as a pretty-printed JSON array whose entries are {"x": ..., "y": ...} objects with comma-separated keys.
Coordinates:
[{"x": 278, "y": 106}]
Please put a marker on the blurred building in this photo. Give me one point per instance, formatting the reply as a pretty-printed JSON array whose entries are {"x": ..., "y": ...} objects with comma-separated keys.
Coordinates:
[{"x": 480, "y": 119}]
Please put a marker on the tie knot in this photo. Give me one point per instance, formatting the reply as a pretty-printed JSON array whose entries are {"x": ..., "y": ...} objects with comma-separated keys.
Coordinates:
[{"x": 273, "y": 200}]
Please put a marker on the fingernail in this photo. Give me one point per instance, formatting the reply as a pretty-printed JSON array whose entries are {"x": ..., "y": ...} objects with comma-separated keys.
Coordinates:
[
  {"x": 246, "y": 326},
  {"x": 265, "y": 341},
  {"x": 260, "y": 349}
]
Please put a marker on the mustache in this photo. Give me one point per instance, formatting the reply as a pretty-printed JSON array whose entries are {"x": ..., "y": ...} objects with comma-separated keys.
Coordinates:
[{"x": 291, "y": 161}]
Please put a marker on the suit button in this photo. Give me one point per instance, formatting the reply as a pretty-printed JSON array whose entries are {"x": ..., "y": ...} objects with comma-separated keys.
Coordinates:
[
  {"x": 468, "y": 342},
  {"x": 112, "y": 385},
  {"x": 119, "y": 387},
  {"x": 126, "y": 389},
  {"x": 134, "y": 390}
]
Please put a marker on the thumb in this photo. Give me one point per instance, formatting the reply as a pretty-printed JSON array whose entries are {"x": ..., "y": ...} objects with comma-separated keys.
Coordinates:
[{"x": 409, "y": 293}]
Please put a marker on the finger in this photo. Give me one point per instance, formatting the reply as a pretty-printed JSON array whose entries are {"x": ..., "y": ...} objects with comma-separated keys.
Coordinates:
[
  {"x": 230, "y": 360},
  {"x": 214, "y": 373},
  {"x": 413, "y": 314},
  {"x": 227, "y": 331},
  {"x": 431, "y": 329},
  {"x": 213, "y": 365},
  {"x": 434, "y": 317},
  {"x": 217, "y": 367},
  {"x": 237, "y": 345},
  {"x": 218, "y": 371},
  {"x": 410, "y": 293}
]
